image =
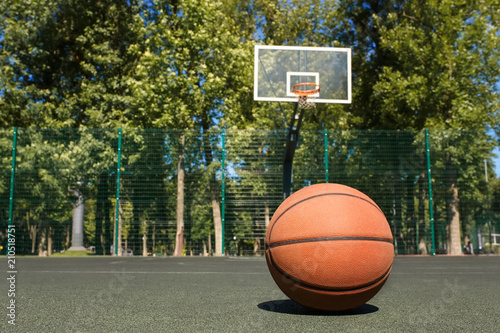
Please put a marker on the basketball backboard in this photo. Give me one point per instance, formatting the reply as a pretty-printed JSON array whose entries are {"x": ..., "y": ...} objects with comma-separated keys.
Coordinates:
[{"x": 278, "y": 68}]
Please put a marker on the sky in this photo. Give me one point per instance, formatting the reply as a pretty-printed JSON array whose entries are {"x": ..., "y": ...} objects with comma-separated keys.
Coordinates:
[{"x": 496, "y": 160}]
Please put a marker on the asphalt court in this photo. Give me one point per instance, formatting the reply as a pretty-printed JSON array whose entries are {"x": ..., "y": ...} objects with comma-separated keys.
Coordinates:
[{"x": 196, "y": 294}]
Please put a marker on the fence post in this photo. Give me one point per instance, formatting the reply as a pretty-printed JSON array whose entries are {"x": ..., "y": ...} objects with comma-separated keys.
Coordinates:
[
  {"x": 429, "y": 179},
  {"x": 118, "y": 170},
  {"x": 12, "y": 177},
  {"x": 326, "y": 156},
  {"x": 223, "y": 195}
]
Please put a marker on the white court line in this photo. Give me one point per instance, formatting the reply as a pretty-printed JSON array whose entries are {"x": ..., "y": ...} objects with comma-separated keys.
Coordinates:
[
  {"x": 443, "y": 273},
  {"x": 142, "y": 272},
  {"x": 248, "y": 273}
]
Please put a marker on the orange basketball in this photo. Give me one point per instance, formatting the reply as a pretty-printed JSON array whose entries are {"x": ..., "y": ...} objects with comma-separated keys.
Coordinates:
[{"x": 329, "y": 247}]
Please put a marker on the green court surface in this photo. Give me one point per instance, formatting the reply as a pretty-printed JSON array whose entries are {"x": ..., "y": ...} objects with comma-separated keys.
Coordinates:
[{"x": 195, "y": 294}]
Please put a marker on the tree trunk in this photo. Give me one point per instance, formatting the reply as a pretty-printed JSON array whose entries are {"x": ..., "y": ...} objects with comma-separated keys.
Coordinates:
[
  {"x": 266, "y": 214},
  {"x": 438, "y": 237},
  {"x": 214, "y": 195},
  {"x": 209, "y": 244},
  {"x": 78, "y": 222},
  {"x": 33, "y": 238},
  {"x": 42, "y": 245},
  {"x": 455, "y": 245},
  {"x": 144, "y": 238},
  {"x": 99, "y": 215},
  {"x": 411, "y": 221},
  {"x": 179, "y": 235},
  {"x": 49, "y": 241},
  {"x": 31, "y": 232},
  {"x": 117, "y": 245},
  {"x": 68, "y": 237},
  {"x": 256, "y": 247},
  {"x": 398, "y": 216},
  {"x": 109, "y": 224},
  {"x": 102, "y": 221},
  {"x": 217, "y": 219},
  {"x": 154, "y": 240},
  {"x": 422, "y": 243}
]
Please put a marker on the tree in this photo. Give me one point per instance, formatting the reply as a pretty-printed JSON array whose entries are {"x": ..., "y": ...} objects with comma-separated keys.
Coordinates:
[
  {"x": 430, "y": 64},
  {"x": 187, "y": 65},
  {"x": 451, "y": 77},
  {"x": 197, "y": 61},
  {"x": 67, "y": 63},
  {"x": 254, "y": 157}
]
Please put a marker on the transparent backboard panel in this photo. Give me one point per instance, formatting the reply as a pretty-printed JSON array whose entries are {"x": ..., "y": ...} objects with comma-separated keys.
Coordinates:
[{"x": 278, "y": 68}]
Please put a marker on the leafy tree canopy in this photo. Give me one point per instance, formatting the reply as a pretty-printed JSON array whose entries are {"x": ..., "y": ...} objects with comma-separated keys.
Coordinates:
[{"x": 179, "y": 63}]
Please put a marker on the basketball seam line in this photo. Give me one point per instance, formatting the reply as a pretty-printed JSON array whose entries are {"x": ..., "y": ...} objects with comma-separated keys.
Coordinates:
[
  {"x": 326, "y": 239},
  {"x": 300, "y": 283},
  {"x": 317, "y": 196}
]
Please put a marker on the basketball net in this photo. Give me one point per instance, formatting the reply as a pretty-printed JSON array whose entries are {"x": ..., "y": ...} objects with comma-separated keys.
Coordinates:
[
  {"x": 306, "y": 103},
  {"x": 306, "y": 97}
]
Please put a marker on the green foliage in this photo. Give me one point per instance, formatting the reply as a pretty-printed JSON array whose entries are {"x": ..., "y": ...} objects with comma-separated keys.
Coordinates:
[
  {"x": 421, "y": 64},
  {"x": 66, "y": 63},
  {"x": 444, "y": 68},
  {"x": 389, "y": 166},
  {"x": 178, "y": 64},
  {"x": 253, "y": 179},
  {"x": 188, "y": 65},
  {"x": 194, "y": 66}
]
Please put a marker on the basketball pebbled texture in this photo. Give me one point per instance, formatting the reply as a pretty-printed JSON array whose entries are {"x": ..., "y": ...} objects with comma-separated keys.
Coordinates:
[{"x": 329, "y": 247}]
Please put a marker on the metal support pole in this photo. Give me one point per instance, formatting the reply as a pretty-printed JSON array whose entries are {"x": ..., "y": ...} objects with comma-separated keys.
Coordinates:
[
  {"x": 118, "y": 170},
  {"x": 291, "y": 145},
  {"x": 223, "y": 199},
  {"x": 429, "y": 179},
  {"x": 12, "y": 177}
]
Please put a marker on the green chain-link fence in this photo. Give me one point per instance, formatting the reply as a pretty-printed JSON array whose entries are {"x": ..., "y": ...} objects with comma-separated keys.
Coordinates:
[{"x": 235, "y": 179}]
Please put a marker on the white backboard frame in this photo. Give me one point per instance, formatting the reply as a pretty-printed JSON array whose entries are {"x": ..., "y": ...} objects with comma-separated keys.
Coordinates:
[{"x": 291, "y": 97}]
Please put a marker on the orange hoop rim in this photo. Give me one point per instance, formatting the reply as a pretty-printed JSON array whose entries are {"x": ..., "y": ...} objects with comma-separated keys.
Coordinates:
[{"x": 309, "y": 92}]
